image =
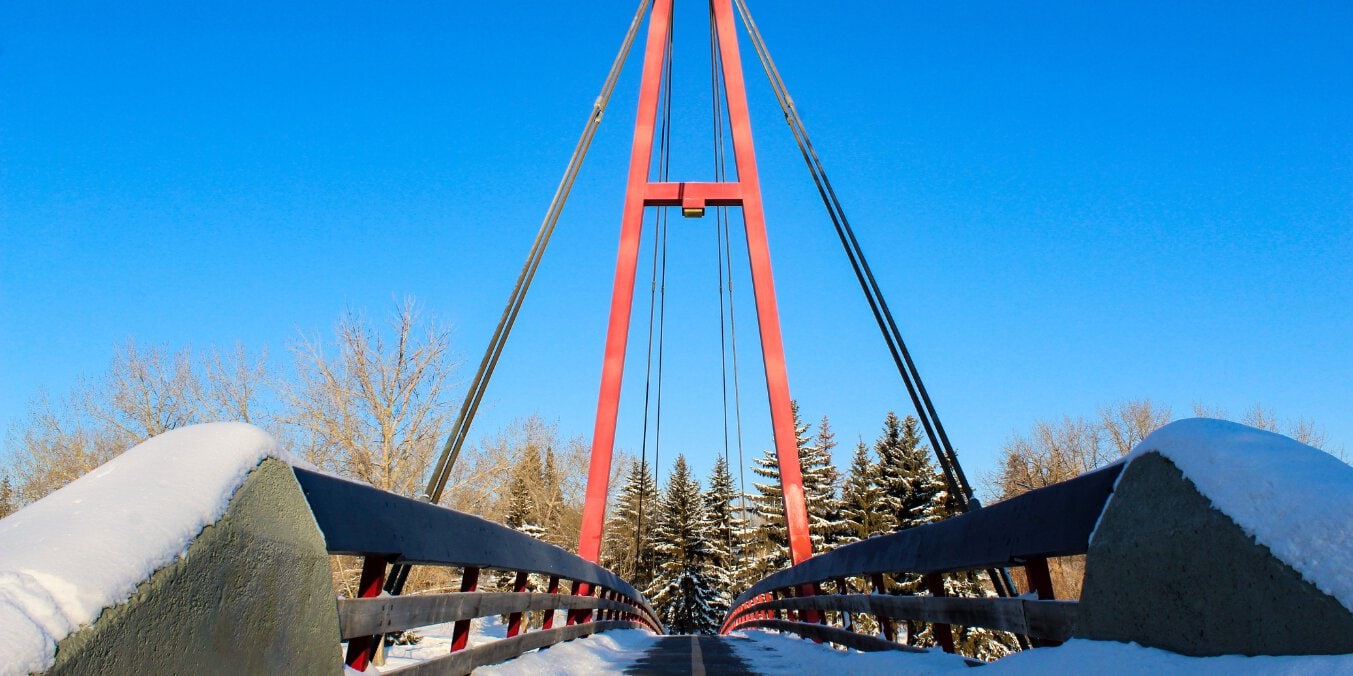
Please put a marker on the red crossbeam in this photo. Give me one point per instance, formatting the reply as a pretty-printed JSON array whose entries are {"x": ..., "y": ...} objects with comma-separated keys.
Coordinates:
[{"x": 693, "y": 196}]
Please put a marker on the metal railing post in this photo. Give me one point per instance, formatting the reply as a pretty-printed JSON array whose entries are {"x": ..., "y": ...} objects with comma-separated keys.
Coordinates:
[
  {"x": 460, "y": 634},
  {"x": 362, "y": 649},
  {"x": 885, "y": 622},
  {"x": 1040, "y": 582},
  {"x": 548, "y": 621},
  {"x": 847, "y": 622},
  {"x": 514, "y": 619},
  {"x": 944, "y": 634}
]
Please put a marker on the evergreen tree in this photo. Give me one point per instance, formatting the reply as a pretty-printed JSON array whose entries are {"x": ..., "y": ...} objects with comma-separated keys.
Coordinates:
[
  {"x": 628, "y": 548},
  {"x": 982, "y": 643},
  {"x": 550, "y": 503},
  {"x": 685, "y": 592},
  {"x": 770, "y": 539},
  {"x": 820, "y": 484},
  {"x": 7, "y": 497},
  {"x": 862, "y": 498},
  {"x": 521, "y": 509},
  {"x": 726, "y": 532},
  {"x": 913, "y": 493}
]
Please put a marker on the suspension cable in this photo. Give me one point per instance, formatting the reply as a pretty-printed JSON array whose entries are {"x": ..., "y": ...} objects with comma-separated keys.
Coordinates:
[
  {"x": 725, "y": 263},
  {"x": 664, "y": 165},
  {"x": 955, "y": 479},
  {"x": 925, "y": 409},
  {"x": 648, "y": 379},
  {"x": 659, "y": 243},
  {"x": 719, "y": 215},
  {"x": 479, "y": 384}
]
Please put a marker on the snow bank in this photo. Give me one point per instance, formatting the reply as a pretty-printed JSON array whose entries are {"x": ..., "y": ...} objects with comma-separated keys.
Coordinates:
[
  {"x": 610, "y": 652},
  {"x": 1079, "y": 656},
  {"x": 86, "y": 547},
  {"x": 1292, "y": 498},
  {"x": 615, "y": 652},
  {"x": 771, "y": 653}
]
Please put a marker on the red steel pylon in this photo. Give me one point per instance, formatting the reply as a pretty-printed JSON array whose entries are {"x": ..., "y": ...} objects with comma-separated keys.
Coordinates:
[{"x": 744, "y": 193}]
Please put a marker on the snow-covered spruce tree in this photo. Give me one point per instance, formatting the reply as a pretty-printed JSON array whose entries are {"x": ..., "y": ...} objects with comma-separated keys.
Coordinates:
[
  {"x": 770, "y": 538},
  {"x": 913, "y": 495},
  {"x": 628, "y": 548},
  {"x": 726, "y": 532},
  {"x": 821, "y": 482},
  {"x": 981, "y": 643},
  {"x": 862, "y": 499},
  {"x": 7, "y": 497},
  {"x": 521, "y": 509},
  {"x": 907, "y": 479},
  {"x": 684, "y": 592},
  {"x": 522, "y": 513},
  {"x": 550, "y": 503}
]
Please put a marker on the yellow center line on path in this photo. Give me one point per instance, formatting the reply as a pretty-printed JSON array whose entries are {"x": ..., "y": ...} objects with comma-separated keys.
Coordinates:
[{"x": 697, "y": 660}]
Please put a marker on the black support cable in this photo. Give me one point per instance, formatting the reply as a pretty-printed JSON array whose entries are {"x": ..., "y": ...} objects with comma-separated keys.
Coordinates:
[
  {"x": 659, "y": 243},
  {"x": 957, "y": 482},
  {"x": 719, "y": 91},
  {"x": 475, "y": 394},
  {"x": 664, "y": 166}
]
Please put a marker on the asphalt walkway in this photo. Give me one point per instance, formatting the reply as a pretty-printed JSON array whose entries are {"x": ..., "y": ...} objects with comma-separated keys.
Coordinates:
[{"x": 694, "y": 655}]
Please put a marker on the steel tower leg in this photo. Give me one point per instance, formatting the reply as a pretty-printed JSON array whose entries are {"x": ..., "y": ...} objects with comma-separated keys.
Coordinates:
[{"x": 745, "y": 193}]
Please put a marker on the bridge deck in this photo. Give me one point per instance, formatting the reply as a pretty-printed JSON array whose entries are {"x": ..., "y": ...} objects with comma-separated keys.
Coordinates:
[{"x": 695, "y": 655}]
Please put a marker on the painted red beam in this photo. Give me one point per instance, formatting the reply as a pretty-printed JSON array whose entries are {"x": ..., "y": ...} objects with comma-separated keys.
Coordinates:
[
  {"x": 693, "y": 195},
  {"x": 622, "y": 293}
]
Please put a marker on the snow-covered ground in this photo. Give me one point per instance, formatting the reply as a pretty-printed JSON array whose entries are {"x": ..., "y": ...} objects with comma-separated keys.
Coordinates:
[
  {"x": 771, "y": 653},
  {"x": 609, "y": 652},
  {"x": 777, "y": 654},
  {"x": 86, "y": 547},
  {"x": 1292, "y": 498}
]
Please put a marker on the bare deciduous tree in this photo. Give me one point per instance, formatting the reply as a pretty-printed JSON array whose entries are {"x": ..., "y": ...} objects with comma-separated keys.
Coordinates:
[
  {"x": 1127, "y": 423},
  {"x": 147, "y": 391},
  {"x": 373, "y": 407},
  {"x": 1301, "y": 429},
  {"x": 1055, "y": 452},
  {"x": 56, "y": 445}
]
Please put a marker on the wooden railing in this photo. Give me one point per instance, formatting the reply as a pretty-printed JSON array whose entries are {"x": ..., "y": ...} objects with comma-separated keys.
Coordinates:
[
  {"x": 386, "y": 529},
  {"x": 1024, "y": 531}
]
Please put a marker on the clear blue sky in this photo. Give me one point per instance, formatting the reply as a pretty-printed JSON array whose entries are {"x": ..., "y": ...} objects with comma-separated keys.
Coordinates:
[{"x": 1067, "y": 204}]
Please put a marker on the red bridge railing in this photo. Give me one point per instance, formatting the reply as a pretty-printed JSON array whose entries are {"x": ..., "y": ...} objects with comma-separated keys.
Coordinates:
[
  {"x": 1024, "y": 531},
  {"x": 387, "y": 529}
]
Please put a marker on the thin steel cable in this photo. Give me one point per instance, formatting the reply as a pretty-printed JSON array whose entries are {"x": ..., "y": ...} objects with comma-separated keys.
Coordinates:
[
  {"x": 648, "y": 379},
  {"x": 952, "y": 470},
  {"x": 720, "y": 217},
  {"x": 479, "y": 384},
  {"x": 718, "y": 236},
  {"x": 664, "y": 165},
  {"x": 721, "y": 174},
  {"x": 906, "y": 368},
  {"x": 659, "y": 237}
]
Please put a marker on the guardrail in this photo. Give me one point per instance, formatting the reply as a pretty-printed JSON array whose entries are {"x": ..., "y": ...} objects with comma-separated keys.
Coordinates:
[
  {"x": 1024, "y": 531},
  {"x": 386, "y": 529}
]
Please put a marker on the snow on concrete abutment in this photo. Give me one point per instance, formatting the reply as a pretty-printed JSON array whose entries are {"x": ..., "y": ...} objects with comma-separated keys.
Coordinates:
[
  {"x": 1292, "y": 498},
  {"x": 87, "y": 547}
]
